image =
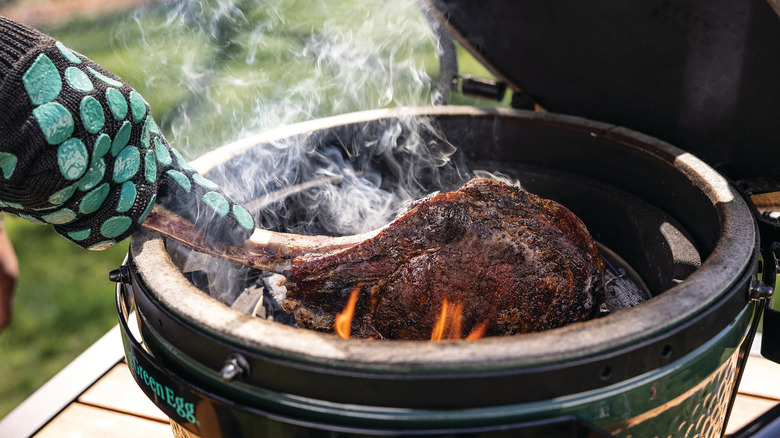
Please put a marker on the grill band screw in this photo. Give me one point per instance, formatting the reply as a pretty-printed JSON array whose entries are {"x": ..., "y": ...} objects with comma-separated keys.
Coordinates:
[{"x": 235, "y": 366}]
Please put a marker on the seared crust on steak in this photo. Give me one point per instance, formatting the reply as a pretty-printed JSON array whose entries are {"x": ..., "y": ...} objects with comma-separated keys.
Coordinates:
[{"x": 510, "y": 259}]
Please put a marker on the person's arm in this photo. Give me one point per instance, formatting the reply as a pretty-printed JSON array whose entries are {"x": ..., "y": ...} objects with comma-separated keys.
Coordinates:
[
  {"x": 9, "y": 272},
  {"x": 80, "y": 150}
]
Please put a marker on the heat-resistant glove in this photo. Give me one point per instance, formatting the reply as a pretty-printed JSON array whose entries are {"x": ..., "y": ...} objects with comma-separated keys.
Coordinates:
[{"x": 80, "y": 150}]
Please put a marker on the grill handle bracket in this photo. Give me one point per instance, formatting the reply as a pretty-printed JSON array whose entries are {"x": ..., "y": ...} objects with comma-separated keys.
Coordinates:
[
  {"x": 769, "y": 244},
  {"x": 770, "y": 343}
]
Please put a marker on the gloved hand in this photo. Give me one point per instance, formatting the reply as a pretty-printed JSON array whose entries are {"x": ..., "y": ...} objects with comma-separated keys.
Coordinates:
[{"x": 80, "y": 150}]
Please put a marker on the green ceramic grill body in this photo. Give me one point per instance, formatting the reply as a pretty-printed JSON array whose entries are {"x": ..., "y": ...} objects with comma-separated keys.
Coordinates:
[{"x": 667, "y": 367}]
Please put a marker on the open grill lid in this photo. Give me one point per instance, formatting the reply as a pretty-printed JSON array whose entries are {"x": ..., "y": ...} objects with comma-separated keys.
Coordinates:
[{"x": 701, "y": 74}]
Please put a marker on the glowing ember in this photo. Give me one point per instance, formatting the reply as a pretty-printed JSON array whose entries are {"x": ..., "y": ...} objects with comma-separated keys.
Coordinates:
[{"x": 343, "y": 323}]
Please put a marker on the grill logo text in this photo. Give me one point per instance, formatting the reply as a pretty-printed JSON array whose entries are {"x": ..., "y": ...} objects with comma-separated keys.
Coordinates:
[{"x": 184, "y": 409}]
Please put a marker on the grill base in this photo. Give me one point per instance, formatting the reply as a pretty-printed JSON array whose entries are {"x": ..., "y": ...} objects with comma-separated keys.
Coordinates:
[{"x": 689, "y": 397}]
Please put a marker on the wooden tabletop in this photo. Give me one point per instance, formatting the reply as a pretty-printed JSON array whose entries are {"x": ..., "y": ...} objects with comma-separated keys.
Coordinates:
[
  {"x": 96, "y": 396},
  {"x": 114, "y": 406}
]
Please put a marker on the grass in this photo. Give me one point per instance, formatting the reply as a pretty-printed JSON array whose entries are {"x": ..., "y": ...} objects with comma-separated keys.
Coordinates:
[
  {"x": 209, "y": 75},
  {"x": 63, "y": 303}
]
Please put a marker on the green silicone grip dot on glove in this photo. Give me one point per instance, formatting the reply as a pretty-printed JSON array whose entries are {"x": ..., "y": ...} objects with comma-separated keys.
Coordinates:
[
  {"x": 55, "y": 121},
  {"x": 67, "y": 53},
  {"x": 42, "y": 81},
  {"x": 7, "y": 164},
  {"x": 127, "y": 164},
  {"x": 127, "y": 196},
  {"x": 116, "y": 103},
  {"x": 121, "y": 138},
  {"x": 94, "y": 175},
  {"x": 93, "y": 200},
  {"x": 92, "y": 114},
  {"x": 78, "y": 80},
  {"x": 73, "y": 158}
]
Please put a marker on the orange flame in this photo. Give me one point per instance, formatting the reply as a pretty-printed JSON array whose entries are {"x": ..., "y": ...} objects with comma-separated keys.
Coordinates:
[
  {"x": 478, "y": 332},
  {"x": 438, "y": 329},
  {"x": 448, "y": 326},
  {"x": 343, "y": 323},
  {"x": 450, "y": 322}
]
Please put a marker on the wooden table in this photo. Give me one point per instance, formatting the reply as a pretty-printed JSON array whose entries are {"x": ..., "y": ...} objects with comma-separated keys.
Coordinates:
[{"x": 95, "y": 396}]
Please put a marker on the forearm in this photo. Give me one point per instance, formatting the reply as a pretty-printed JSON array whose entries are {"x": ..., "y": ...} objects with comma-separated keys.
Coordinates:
[
  {"x": 9, "y": 272},
  {"x": 82, "y": 152},
  {"x": 73, "y": 129}
]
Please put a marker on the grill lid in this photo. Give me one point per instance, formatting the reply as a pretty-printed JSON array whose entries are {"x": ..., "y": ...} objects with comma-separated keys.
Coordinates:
[{"x": 701, "y": 74}]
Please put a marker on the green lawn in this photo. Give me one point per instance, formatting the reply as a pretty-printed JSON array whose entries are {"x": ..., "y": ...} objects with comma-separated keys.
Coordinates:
[
  {"x": 64, "y": 303},
  {"x": 210, "y": 76}
]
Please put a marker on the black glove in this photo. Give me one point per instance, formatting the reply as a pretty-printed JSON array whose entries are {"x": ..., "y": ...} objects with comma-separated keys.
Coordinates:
[{"x": 80, "y": 150}]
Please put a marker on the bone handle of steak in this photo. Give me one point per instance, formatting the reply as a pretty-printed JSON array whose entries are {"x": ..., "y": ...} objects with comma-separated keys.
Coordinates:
[{"x": 266, "y": 250}]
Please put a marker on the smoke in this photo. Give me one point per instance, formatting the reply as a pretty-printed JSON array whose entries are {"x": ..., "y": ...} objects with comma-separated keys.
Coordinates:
[
  {"x": 344, "y": 180},
  {"x": 231, "y": 68}
]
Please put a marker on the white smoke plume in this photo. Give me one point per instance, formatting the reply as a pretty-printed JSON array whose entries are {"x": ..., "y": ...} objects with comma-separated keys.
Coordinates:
[
  {"x": 247, "y": 66},
  {"x": 237, "y": 68}
]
